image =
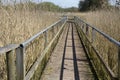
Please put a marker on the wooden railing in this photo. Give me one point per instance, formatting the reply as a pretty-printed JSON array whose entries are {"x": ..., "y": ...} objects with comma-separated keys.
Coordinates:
[
  {"x": 103, "y": 50},
  {"x": 27, "y": 60}
]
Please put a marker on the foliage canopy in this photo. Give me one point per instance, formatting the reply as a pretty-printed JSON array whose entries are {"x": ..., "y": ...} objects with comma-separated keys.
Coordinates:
[{"x": 85, "y": 5}]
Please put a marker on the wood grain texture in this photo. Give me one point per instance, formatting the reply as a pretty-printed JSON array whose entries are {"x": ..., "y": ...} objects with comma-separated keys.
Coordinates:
[{"x": 68, "y": 61}]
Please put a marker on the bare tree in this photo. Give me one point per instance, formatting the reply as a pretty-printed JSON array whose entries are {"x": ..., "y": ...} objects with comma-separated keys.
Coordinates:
[
  {"x": 117, "y": 3},
  {"x": 0, "y": 2}
]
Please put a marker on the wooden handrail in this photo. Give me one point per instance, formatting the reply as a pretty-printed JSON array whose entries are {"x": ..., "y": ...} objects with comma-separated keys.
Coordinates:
[
  {"x": 86, "y": 26},
  {"x": 8, "y": 48}
]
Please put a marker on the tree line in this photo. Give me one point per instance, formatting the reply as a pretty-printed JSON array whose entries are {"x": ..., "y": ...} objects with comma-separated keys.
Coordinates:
[
  {"x": 85, "y": 5},
  {"x": 42, "y": 6}
]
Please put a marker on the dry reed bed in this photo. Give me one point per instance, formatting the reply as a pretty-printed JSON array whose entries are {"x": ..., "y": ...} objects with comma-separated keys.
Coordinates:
[
  {"x": 108, "y": 22},
  {"x": 18, "y": 25}
]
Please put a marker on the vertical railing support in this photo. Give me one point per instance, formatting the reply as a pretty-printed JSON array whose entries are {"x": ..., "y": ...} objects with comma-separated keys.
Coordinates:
[
  {"x": 45, "y": 44},
  {"x": 93, "y": 35},
  {"x": 20, "y": 64},
  {"x": 118, "y": 62},
  {"x": 10, "y": 65},
  {"x": 79, "y": 23},
  {"x": 110, "y": 58},
  {"x": 57, "y": 27},
  {"x": 53, "y": 32},
  {"x": 87, "y": 28},
  {"x": 83, "y": 27}
]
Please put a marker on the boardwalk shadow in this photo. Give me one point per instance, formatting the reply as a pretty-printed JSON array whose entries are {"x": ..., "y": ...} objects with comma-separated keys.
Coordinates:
[{"x": 76, "y": 71}]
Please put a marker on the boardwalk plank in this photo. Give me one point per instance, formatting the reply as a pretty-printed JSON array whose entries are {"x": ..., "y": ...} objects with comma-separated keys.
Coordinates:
[{"x": 74, "y": 63}]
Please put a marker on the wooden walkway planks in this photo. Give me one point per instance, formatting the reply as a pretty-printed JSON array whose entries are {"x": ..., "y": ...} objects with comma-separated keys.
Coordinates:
[
  {"x": 68, "y": 61},
  {"x": 53, "y": 68}
]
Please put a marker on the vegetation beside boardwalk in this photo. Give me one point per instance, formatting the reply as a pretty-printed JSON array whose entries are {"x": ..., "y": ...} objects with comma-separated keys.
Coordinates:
[
  {"x": 106, "y": 19},
  {"x": 102, "y": 15},
  {"x": 20, "y": 21},
  {"x": 107, "y": 22}
]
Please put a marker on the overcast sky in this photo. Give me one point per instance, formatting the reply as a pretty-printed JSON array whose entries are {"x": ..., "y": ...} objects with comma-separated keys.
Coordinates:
[
  {"x": 63, "y": 3},
  {"x": 112, "y": 2},
  {"x": 68, "y": 3}
]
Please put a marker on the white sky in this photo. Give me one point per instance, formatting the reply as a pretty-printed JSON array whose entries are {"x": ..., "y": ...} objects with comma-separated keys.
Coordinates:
[
  {"x": 69, "y": 3},
  {"x": 64, "y": 3},
  {"x": 112, "y": 2}
]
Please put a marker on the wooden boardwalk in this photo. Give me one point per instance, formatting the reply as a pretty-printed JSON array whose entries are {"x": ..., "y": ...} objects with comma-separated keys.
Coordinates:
[
  {"x": 68, "y": 60},
  {"x": 57, "y": 53}
]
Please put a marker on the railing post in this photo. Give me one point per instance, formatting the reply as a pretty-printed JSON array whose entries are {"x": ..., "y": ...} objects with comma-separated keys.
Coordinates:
[
  {"x": 110, "y": 58},
  {"x": 10, "y": 65},
  {"x": 57, "y": 27},
  {"x": 83, "y": 27},
  {"x": 53, "y": 32},
  {"x": 20, "y": 64},
  {"x": 87, "y": 28},
  {"x": 93, "y": 35},
  {"x": 79, "y": 23},
  {"x": 74, "y": 18},
  {"x": 118, "y": 62},
  {"x": 45, "y": 44}
]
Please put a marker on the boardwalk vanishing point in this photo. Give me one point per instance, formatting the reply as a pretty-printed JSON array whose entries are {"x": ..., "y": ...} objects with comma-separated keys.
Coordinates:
[
  {"x": 69, "y": 60},
  {"x": 63, "y": 51}
]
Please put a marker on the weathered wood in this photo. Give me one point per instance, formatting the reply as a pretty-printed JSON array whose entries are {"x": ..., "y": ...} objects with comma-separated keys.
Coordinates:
[
  {"x": 119, "y": 63},
  {"x": 8, "y": 48},
  {"x": 46, "y": 39},
  {"x": 97, "y": 61},
  {"x": 53, "y": 32},
  {"x": 20, "y": 64},
  {"x": 108, "y": 70},
  {"x": 10, "y": 60},
  {"x": 68, "y": 61},
  {"x": 20, "y": 52},
  {"x": 100, "y": 32},
  {"x": 82, "y": 26},
  {"x": 42, "y": 60},
  {"x": 93, "y": 35},
  {"x": 25, "y": 43},
  {"x": 87, "y": 30},
  {"x": 57, "y": 27},
  {"x": 110, "y": 58}
]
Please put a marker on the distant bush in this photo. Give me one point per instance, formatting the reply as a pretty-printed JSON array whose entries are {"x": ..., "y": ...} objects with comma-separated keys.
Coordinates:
[
  {"x": 48, "y": 6},
  {"x": 92, "y": 4},
  {"x": 71, "y": 9}
]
